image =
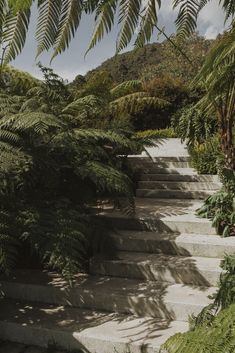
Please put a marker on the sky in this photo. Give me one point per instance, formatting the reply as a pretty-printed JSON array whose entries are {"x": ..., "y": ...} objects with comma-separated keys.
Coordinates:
[{"x": 72, "y": 62}]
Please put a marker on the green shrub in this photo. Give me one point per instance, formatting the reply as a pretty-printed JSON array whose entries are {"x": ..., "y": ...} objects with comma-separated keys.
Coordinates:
[
  {"x": 193, "y": 126},
  {"x": 206, "y": 156},
  {"x": 220, "y": 207},
  {"x": 213, "y": 330},
  {"x": 158, "y": 133},
  {"x": 219, "y": 338}
]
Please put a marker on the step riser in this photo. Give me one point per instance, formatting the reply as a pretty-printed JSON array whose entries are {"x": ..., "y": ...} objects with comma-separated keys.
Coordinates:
[
  {"x": 162, "y": 226},
  {"x": 170, "y": 247},
  {"x": 136, "y": 305},
  {"x": 179, "y": 178},
  {"x": 173, "y": 194},
  {"x": 178, "y": 186},
  {"x": 185, "y": 275}
]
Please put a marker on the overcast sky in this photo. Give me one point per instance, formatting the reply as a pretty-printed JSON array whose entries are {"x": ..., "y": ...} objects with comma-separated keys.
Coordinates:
[{"x": 72, "y": 62}]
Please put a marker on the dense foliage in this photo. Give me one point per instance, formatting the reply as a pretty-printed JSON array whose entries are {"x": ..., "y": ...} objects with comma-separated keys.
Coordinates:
[
  {"x": 220, "y": 207},
  {"x": 51, "y": 169},
  {"x": 158, "y": 59},
  {"x": 213, "y": 330}
]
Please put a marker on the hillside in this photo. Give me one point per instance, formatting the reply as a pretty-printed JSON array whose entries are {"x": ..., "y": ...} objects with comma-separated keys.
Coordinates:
[{"x": 158, "y": 58}]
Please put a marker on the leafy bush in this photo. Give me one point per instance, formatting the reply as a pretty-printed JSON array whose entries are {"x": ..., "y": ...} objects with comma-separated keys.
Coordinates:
[
  {"x": 51, "y": 170},
  {"x": 192, "y": 126},
  {"x": 213, "y": 330},
  {"x": 220, "y": 207},
  {"x": 158, "y": 133},
  {"x": 205, "y": 157},
  {"x": 219, "y": 338}
]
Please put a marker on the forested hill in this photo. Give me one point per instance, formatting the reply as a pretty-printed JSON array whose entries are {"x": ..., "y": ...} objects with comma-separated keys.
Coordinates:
[{"x": 158, "y": 58}]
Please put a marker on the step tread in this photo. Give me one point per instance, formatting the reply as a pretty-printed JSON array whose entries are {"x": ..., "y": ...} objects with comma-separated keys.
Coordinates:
[
  {"x": 178, "y": 238},
  {"x": 162, "y": 260},
  {"x": 165, "y": 170},
  {"x": 179, "y": 185},
  {"x": 83, "y": 327},
  {"x": 178, "y": 177},
  {"x": 110, "y": 286}
]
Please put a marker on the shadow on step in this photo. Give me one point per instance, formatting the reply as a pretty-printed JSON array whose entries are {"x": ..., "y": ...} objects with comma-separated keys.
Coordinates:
[{"x": 76, "y": 329}]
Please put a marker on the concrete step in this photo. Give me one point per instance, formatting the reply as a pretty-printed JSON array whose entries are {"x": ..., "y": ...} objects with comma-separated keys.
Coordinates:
[
  {"x": 83, "y": 330},
  {"x": 127, "y": 296},
  {"x": 163, "y": 216},
  {"x": 166, "y": 171},
  {"x": 173, "y": 185},
  {"x": 197, "y": 271},
  {"x": 160, "y": 162},
  {"x": 179, "y": 177},
  {"x": 174, "y": 194},
  {"x": 172, "y": 244}
]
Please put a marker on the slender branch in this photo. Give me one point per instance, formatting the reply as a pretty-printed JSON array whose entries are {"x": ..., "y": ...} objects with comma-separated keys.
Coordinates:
[{"x": 177, "y": 47}]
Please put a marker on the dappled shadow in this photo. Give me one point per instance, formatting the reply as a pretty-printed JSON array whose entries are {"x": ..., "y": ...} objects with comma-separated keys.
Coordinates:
[{"x": 77, "y": 329}]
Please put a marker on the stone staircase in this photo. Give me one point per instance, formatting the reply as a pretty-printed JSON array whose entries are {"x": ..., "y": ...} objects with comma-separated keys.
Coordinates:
[{"x": 156, "y": 268}]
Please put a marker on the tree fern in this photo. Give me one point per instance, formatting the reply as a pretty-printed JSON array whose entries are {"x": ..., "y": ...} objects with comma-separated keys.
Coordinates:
[
  {"x": 125, "y": 88},
  {"x": 135, "y": 102}
]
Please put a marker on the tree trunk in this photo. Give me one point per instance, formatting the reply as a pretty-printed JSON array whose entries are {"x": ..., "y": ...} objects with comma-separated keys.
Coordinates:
[{"x": 227, "y": 142}]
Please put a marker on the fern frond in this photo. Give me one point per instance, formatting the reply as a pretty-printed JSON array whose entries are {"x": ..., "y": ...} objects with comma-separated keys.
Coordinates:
[
  {"x": 71, "y": 13},
  {"x": 90, "y": 101},
  {"x": 36, "y": 122},
  {"x": 101, "y": 135},
  {"x": 228, "y": 7},
  {"x": 186, "y": 21},
  {"x": 149, "y": 19},
  {"x": 128, "y": 18},
  {"x": 14, "y": 33},
  {"x": 125, "y": 88},
  {"x": 135, "y": 102},
  {"x": 106, "y": 178},
  {"x": 105, "y": 14},
  {"x": 48, "y": 21}
]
